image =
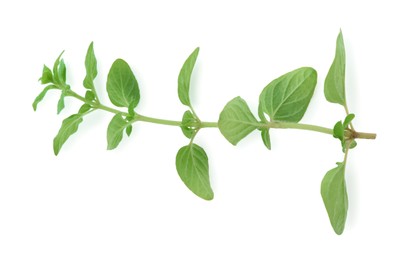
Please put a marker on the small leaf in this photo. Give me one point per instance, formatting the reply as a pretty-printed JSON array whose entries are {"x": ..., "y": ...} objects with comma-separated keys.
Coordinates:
[
  {"x": 338, "y": 131},
  {"x": 335, "y": 197},
  {"x": 187, "y": 120},
  {"x": 353, "y": 144},
  {"x": 334, "y": 85},
  {"x": 265, "y": 135},
  {"x": 84, "y": 108},
  {"x": 128, "y": 130},
  {"x": 47, "y": 76},
  {"x": 348, "y": 120},
  {"x": 193, "y": 168},
  {"x": 62, "y": 72},
  {"x": 115, "y": 131},
  {"x": 236, "y": 120},
  {"x": 90, "y": 67},
  {"x": 287, "y": 97},
  {"x": 69, "y": 127},
  {"x": 184, "y": 78},
  {"x": 61, "y": 104},
  {"x": 56, "y": 70},
  {"x": 122, "y": 86},
  {"x": 41, "y": 96},
  {"x": 89, "y": 96}
]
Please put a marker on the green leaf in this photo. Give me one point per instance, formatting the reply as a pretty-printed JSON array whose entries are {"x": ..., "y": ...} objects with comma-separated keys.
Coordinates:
[
  {"x": 265, "y": 135},
  {"x": 187, "y": 121},
  {"x": 115, "y": 131},
  {"x": 89, "y": 96},
  {"x": 184, "y": 78},
  {"x": 90, "y": 67},
  {"x": 128, "y": 130},
  {"x": 338, "y": 131},
  {"x": 84, "y": 108},
  {"x": 353, "y": 144},
  {"x": 69, "y": 127},
  {"x": 236, "y": 120},
  {"x": 287, "y": 97},
  {"x": 41, "y": 96},
  {"x": 62, "y": 72},
  {"x": 122, "y": 86},
  {"x": 61, "y": 104},
  {"x": 348, "y": 120},
  {"x": 193, "y": 168},
  {"x": 56, "y": 69},
  {"x": 334, "y": 194},
  {"x": 47, "y": 76},
  {"x": 334, "y": 85}
]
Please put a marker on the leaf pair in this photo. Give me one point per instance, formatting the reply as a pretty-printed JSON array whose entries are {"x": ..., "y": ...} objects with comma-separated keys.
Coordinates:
[
  {"x": 191, "y": 160},
  {"x": 123, "y": 91},
  {"x": 333, "y": 186},
  {"x": 285, "y": 99}
]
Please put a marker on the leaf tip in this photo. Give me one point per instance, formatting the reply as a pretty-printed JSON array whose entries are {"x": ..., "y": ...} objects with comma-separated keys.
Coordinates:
[
  {"x": 56, "y": 147},
  {"x": 209, "y": 197}
]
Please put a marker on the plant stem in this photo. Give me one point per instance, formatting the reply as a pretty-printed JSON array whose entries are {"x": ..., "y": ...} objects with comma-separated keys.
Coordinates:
[
  {"x": 359, "y": 135},
  {"x": 95, "y": 105},
  {"x": 290, "y": 125},
  {"x": 283, "y": 125},
  {"x": 315, "y": 128},
  {"x": 158, "y": 120}
]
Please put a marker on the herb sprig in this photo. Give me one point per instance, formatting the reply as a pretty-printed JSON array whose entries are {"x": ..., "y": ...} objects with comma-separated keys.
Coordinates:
[{"x": 282, "y": 104}]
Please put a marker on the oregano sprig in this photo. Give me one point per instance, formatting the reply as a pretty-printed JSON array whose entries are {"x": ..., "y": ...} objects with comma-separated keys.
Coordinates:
[{"x": 282, "y": 104}]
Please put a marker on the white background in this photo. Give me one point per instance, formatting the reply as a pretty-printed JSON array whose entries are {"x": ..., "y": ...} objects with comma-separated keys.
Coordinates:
[{"x": 90, "y": 203}]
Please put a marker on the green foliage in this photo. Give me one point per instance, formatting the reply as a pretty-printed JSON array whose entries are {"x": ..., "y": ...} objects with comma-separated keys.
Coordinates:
[
  {"x": 128, "y": 130},
  {"x": 188, "y": 122},
  {"x": 42, "y": 94},
  {"x": 236, "y": 120},
  {"x": 193, "y": 168},
  {"x": 122, "y": 87},
  {"x": 348, "y": 119},
  {"x": 90, "y": 96},
  {"x": 341, "y": 128},
  {"x": 335, "y": 197},
  {"x": 282, "y": 104},
  {"x": 265, "y": 136},
  {"x": 84, "y": 108},
  {"x": 90, "y": 67},
  {"x": 61, "y": 104},
  {"x": 115, "y": 131},
  {"x": 334, "y": 86},
  {"x": 69, "y": 127},
  {"x": 287, "y": 97},
  {"x": 47, "y": 76},
  {"x": 184, "y": 78},
  {"x": 58, "y": 71}
]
